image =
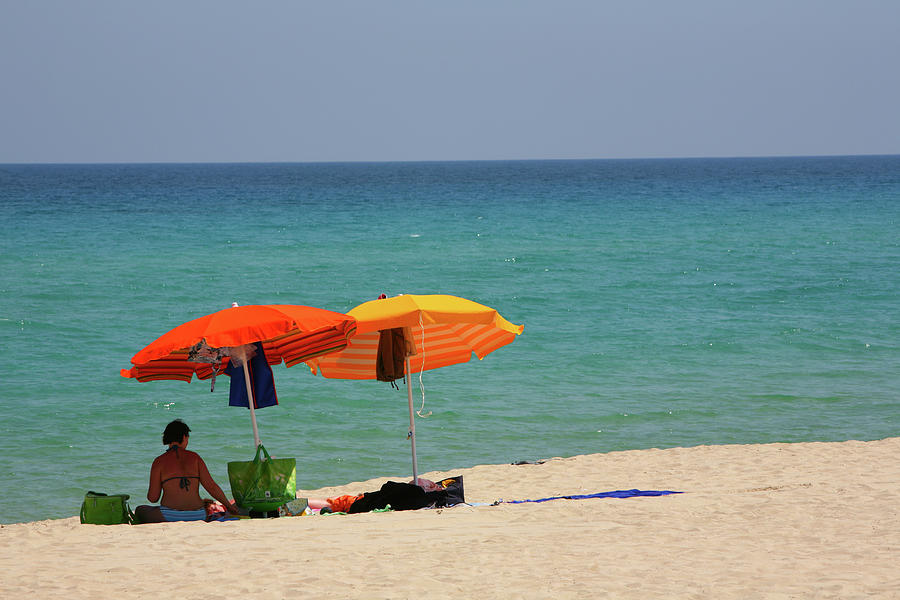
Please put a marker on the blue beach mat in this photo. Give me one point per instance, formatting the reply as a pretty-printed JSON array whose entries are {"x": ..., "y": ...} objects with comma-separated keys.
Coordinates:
[{"x": 614, "y": 494}]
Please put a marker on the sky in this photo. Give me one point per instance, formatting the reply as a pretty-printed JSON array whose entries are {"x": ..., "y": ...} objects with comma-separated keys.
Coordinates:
[{"x": 381, "y": 80}]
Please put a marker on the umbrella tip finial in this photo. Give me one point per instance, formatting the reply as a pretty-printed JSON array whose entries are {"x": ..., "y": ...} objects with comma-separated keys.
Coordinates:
[{"x": 234, "y": 305}]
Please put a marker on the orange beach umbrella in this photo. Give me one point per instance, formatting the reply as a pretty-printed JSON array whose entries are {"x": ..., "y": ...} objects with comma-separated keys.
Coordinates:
[
  {"x": 288, "y": 333},
  {"x": 444, "y": 330}
]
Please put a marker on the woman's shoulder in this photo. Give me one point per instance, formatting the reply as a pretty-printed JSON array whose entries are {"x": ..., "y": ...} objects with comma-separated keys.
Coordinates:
[
  {"x": 190, "y": 458},
  {"x": 183, "y": 455}
]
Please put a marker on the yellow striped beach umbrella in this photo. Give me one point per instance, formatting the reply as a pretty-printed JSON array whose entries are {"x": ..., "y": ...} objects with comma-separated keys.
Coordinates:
[{"x": 440, "y": 330}]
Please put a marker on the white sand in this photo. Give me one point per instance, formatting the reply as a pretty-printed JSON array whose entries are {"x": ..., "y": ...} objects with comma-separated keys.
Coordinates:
[{"x": 815, "y": 520}]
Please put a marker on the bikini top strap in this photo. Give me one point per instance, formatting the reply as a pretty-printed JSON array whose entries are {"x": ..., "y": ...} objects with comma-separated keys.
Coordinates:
[{"x": 185, "y": 482}]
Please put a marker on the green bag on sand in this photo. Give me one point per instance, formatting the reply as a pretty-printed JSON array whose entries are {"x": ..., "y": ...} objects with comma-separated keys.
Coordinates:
[
  {"x": 263, "y": 484},
  {"x": 104, "y": 509}
]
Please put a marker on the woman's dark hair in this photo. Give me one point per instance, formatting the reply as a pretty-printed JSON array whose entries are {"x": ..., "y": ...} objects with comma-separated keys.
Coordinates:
[{"x": 175, "y": 432}]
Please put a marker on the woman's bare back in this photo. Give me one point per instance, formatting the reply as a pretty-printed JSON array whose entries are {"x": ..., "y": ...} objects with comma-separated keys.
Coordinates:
[{"x": 180, "y": 479}]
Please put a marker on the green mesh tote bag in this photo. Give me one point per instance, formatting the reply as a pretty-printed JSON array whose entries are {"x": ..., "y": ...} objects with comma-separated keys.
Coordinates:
[{"x": 263, "y": 484}]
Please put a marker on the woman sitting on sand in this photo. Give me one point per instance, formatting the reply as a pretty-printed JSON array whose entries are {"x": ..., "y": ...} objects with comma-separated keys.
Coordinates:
[{"x": 178, "y": 474}]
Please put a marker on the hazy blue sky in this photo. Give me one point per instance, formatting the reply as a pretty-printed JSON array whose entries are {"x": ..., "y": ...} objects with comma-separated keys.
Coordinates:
[{"x": 123, "y": 81}]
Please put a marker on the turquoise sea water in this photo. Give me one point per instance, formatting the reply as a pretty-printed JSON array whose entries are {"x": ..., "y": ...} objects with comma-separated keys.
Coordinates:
[{"x": 665, "y": 303}]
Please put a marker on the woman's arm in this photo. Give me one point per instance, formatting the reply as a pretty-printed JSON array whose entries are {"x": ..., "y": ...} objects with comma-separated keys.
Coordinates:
[
  {"x": 213, "y": 488},
  {"x": 155, "y": 488}
]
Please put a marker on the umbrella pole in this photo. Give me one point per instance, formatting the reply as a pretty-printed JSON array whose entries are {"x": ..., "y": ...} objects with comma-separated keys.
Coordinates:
[
  {"x": 250, "y": 403},
  {"x": 412, "y": 422}
]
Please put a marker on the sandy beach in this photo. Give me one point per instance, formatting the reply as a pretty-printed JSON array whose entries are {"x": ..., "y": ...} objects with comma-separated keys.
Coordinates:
[{"x": 810, "y": 520}]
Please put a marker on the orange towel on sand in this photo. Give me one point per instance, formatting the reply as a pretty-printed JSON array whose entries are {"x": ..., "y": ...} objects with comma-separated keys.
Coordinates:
[{"x": 342, "y": 503}]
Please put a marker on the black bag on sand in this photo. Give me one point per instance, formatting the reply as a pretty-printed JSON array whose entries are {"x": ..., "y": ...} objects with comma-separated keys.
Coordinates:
[{"x": 452, "y": 493}]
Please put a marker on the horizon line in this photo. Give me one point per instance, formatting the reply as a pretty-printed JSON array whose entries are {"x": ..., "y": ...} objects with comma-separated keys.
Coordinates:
[{"x": 455, "y": 160}]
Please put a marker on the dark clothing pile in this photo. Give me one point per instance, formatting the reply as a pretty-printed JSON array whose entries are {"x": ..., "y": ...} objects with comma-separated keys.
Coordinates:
[{"x": 406, "y": 496}]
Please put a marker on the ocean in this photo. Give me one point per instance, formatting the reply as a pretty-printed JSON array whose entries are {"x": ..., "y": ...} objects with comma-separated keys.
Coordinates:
[{"x": 673, "y": 302}]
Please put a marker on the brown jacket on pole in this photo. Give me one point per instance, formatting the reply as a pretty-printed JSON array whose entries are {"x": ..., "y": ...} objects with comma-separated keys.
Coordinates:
[{"x": 394, "y": 345}]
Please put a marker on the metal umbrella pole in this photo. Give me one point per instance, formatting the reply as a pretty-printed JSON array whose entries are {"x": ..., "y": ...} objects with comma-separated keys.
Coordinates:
[
  {"x": 412, "y": 422},
  {"x": 250, "y": 401}
]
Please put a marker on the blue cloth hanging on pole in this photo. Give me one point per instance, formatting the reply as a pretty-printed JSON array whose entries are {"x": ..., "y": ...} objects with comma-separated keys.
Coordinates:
[{"x": 261, "y": 379}]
